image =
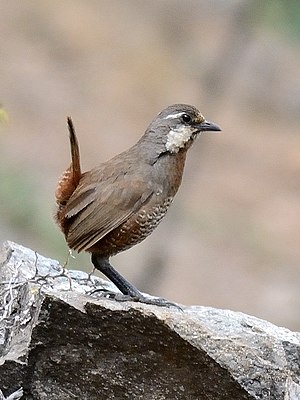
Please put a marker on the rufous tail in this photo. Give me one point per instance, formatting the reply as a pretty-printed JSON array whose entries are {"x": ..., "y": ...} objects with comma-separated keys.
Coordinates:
[
  {"x": 71, "y": 177},
  {"x": 75, "y": 166}
]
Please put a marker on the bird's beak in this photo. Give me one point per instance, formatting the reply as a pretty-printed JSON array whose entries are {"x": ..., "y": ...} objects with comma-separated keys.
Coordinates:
[{"x": 208, "y": 126}]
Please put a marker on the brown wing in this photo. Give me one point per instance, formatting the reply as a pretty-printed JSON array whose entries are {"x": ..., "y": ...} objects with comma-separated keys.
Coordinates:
[{"x": 97, "y": 209}]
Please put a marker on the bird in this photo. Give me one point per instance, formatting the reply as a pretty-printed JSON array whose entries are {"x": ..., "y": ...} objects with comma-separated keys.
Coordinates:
[{"x": 117, "y": 204}]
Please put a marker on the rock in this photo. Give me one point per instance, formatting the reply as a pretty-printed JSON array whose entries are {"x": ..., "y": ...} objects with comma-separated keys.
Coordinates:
[{"x": 59, "y": 339}]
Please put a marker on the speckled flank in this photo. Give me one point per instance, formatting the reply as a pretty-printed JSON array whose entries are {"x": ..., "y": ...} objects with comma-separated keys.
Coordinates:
[
  {"x": 147, "y": 220},
  {"x": 134, "y": 230}
]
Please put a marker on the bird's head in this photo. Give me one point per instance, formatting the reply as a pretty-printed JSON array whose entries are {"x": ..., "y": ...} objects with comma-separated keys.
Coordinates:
[{"x": 177, "y": 126}]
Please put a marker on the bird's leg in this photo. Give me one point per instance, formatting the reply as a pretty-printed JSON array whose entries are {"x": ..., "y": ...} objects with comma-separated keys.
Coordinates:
[
  {"x": 129, "y": 291},
  {"x": 103, "y": 265}
]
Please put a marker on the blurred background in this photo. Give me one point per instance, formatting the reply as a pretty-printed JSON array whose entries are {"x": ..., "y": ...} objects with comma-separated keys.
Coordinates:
[{"x": 232, "y": 237}]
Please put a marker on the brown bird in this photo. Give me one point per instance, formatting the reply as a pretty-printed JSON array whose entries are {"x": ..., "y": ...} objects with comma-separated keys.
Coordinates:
[{"x": 119, "y": 203}]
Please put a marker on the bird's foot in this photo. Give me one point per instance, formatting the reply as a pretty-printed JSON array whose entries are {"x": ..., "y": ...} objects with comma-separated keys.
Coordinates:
[
  {"x": 155, "y": 301},
  {"x": 120, "y": 297}
]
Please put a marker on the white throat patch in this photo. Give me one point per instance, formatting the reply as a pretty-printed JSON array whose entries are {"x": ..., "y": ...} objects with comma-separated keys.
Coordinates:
[{"x": 178, "y": 137}]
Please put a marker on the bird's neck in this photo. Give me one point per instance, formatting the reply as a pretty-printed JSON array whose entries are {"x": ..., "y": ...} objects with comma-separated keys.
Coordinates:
[
  {"x": 171, "y": 166},
  {"x": 150, "y": 147}
]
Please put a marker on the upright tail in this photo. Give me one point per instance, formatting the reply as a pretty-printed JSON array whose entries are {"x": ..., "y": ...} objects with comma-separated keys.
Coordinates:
[
  {"x": 75, "y": 166},
  {"x": 71, "y": 177}
]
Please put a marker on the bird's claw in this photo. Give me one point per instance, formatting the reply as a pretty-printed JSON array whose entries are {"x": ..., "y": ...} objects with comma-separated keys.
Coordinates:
[{"x": 120, "y": 297}]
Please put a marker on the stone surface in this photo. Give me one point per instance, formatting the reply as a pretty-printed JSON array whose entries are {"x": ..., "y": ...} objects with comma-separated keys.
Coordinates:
[{"x": 59, "y": 339}]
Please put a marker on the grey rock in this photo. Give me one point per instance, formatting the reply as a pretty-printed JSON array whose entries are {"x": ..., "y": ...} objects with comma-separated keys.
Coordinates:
[
  {"x": 14, "y": 396},
  {"x": 61, "y": 338}
]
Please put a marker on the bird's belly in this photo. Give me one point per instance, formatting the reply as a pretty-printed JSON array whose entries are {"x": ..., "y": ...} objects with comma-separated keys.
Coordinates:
[{"x": 133, "y": 231}]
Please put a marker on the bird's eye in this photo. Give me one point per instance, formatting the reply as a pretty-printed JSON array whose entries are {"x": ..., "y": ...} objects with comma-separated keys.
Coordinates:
[{"x": 186, "y": 118}]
